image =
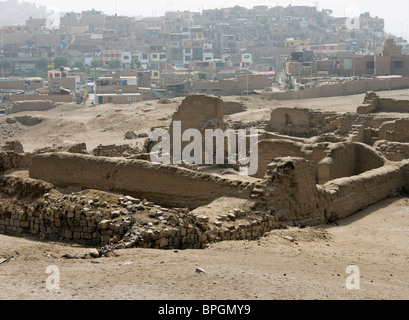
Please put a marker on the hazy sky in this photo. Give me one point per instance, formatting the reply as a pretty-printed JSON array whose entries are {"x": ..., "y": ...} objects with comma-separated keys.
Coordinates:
[{"x": 395, "y": 12}]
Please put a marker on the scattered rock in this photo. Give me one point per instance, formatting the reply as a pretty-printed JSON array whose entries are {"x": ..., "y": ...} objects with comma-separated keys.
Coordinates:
[
  {"x": 288, "y": 238},
  {"x": 115, "y": 214},
  {"x": 94, "y": 253},
  {"x": 130, "y": 135},
  {"x": 200, "y": 270},
  {"x": 142, "y": 135}
]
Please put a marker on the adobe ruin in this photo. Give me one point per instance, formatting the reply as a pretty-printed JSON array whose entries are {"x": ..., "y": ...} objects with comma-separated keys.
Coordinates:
[{"x": 313, "y": 167}]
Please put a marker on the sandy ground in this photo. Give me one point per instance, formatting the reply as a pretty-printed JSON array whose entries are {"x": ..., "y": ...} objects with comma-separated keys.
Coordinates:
[{"x": 312, "y": 266}]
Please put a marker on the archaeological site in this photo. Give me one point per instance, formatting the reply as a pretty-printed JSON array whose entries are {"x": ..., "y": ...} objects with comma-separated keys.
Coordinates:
[{"x": 314, "y": 166}]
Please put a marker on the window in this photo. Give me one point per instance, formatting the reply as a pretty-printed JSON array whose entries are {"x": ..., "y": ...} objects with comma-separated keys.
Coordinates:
[
  {"x": 132, "y": 99},
  {"x": 398, "y": 64},
  {"x": 370, "y": 65},
  {"x": 162, "y": 56},
  {"x": 110, "y": 99},
  {"x": 154, "y": 56}
]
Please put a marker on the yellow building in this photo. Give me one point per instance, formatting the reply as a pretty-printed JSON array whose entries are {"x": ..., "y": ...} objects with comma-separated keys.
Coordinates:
[{"x": 291, "y": 43}]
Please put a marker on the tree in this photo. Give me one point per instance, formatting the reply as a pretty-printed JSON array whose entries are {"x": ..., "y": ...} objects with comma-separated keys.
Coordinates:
[
  {"x": 42, "y": 64},
  {"x": 135, "y": 63},
  {"x": 79, "y": 64},
  {"x": 95, "y": 64},
  {"x": 5, "y": 65},
  {"x": 114, "y": 63},
  {"x": 60, "y": 61}
]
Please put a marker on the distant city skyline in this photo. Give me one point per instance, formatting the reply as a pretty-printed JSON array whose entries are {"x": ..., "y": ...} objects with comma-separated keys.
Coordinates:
[{"x": 394, "y": 12}]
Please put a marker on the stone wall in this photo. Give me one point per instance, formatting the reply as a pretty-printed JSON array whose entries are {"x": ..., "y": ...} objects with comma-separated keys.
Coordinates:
[
  {"x": 89, "y": 220},
  {"x": 162, "y": 183}
]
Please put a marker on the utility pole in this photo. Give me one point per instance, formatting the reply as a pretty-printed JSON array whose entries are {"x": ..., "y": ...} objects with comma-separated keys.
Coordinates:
[{"x": 247, "y": 84}]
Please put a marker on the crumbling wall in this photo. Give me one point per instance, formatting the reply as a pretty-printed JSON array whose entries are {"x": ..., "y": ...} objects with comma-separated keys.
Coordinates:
[
  {"x": 13, "y": 160},
  {"x": 393, "y": 151},
  {"x": 115, "y": 151},
  {"x": 37, "y": 105},
  {"x": 71, "y": 148},
  {"x": 231, "y": 107},
  {"x": 345, "y": 196},
  {"x": 290, "y": 193},
  {"x": 87, "y": 219},
  {"x": 287, "y": 195},
  {"x": 305, "y": 122},
  {"x": 346, "y": 159},
  {"x": 198, "y": 112},
  {"x": 162, "y": 183},
  {"x": 373, "y": 103},
  {"x": 397, "y": 130},
  {"x": 270, "y": 149},
  {"x": 23, "y": 187}
]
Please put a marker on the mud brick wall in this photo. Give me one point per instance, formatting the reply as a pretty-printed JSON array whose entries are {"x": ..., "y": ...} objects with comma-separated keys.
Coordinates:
[
  {"x": 290, "y": 193},
  {"x": 345, "y": 196},
  {"x": 348, "y": 159},
  {"x": 270, "y": 149},
  {"x": 165, "y": 184}
]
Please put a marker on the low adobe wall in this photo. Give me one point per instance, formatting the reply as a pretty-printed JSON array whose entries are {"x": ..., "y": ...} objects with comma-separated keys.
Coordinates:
[
  {"x": 345, "y": 196},
  {"x": 165, "y": 184},
  {"x": 384, "y": 105},
  {"x": 14, "y": 160},
  {"x": 346, "y": 159},
  {"x": 290, "y": 193},
  {"x": 34, "y": 105},
  {"x": 343, "y": 89},
  {"x": 231, "y": 107},
  {"x": 270, "y": 149}
]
